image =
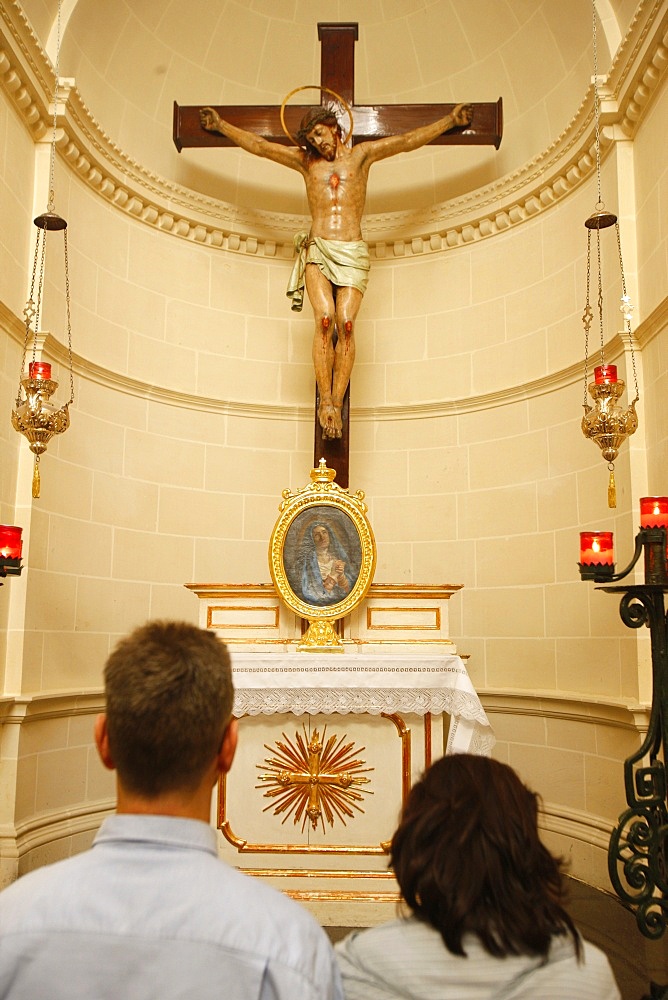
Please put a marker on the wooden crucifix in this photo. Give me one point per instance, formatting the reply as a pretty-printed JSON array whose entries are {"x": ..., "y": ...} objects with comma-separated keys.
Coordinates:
[{"x": 335, "y": 175}]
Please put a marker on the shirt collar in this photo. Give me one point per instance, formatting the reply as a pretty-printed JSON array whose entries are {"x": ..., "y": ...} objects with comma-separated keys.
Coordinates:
[{"x": 172, "y": 831}]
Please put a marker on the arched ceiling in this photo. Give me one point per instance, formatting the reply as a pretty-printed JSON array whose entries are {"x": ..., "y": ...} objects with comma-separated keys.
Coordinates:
[{"x": 131, "y": 59}]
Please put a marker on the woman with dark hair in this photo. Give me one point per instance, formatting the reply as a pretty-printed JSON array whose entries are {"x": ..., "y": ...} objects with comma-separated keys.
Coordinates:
[{"x": 487, "y": 918}]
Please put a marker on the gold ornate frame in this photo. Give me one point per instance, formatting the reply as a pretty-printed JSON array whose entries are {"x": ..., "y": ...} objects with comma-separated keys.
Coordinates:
[{"x": 344, "y": 517}]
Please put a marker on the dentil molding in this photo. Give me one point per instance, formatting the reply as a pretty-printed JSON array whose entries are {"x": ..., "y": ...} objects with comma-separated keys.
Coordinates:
[{"x": 26, "y": 76}]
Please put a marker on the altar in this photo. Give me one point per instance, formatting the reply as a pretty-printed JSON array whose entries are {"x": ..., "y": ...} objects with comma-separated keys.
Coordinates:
[
  {"x": 412, "y": 683},
  {"x": 330, "y": 743}
]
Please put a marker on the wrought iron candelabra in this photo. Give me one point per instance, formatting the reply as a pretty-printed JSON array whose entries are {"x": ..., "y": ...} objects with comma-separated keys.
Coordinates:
[{"x": 637, "y": 854}]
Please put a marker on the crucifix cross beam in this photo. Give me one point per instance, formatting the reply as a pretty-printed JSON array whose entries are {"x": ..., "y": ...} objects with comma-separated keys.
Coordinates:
[
  {"x": 369, "y": 122},
  {"x": 337, "y": 73}
]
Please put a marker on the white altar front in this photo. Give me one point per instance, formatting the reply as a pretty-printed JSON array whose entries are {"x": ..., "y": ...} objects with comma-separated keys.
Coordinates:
[
  {"x": 330, "y": 742},
  {"x": 410, "y": 683}
]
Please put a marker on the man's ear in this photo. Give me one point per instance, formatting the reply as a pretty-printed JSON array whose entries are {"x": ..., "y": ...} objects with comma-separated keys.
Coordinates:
[
  {"x": 102, "y": 742},
  {"x": 228, "y": 747}
]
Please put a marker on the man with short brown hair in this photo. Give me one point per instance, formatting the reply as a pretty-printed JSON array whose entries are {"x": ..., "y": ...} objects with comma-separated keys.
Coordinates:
[{"x": 151, "y": 911}]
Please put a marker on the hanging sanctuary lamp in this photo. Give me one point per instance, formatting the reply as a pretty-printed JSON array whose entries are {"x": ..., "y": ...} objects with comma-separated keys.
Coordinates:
[
  {"x": 34, "y": 415},
  {"x": 607, "y": 422}
]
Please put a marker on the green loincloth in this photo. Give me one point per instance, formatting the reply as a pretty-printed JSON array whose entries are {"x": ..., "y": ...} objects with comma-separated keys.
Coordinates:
[{"x": 346, "y": 265}]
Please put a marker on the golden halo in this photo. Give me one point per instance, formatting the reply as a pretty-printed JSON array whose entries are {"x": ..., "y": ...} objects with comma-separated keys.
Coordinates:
[{"x": 315, "y": 86}]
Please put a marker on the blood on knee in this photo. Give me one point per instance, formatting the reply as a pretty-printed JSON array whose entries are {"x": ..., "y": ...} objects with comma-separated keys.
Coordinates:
[
  {"x": 348, "y": 330},
  {"x": 325, "y": 324}
]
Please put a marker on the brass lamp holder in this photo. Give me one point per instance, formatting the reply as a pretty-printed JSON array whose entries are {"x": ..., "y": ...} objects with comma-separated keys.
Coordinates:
[
  {"x": 34, "y": 415},
  {"x": 607, "y": 423},
  {"x": 38, "y": 419}
]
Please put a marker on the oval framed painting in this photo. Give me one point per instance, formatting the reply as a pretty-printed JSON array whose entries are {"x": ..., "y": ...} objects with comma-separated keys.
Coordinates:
[{"x": 322, "y": 552}]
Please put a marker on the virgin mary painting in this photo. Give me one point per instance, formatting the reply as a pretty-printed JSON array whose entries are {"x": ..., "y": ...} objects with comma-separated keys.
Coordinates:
[{"x": 322, "y": 556}]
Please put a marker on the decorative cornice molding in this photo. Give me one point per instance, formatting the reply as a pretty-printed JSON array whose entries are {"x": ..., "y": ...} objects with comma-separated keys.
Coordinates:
[
  {"x": 26, "y": 73},
  {"x": 47, "y": 828},
  {"x": 650, "y": 328},
  {"x": 53, "y": 349},
  {"x": 638, "y": 66},
  {"x": 570, "y": 706},
  {"x": 26, "y": 76},
  {"x": 625, "y": 713},
  {"x": 19, "y": 709},
  {"x": 576, "y": 824}
]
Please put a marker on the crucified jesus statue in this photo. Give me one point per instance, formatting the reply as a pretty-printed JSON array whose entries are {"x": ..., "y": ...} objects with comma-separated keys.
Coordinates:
[{"x": 333, "y": 259}]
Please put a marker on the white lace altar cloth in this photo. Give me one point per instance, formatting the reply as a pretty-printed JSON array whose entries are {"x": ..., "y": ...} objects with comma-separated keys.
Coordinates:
[{"x": 328, "y": 683}]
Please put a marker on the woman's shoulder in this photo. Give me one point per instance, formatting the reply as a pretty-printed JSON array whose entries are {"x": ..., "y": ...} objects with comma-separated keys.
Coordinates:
[
  {"x": 378, "y": 962},
  {"x": 404, "y": 938}
]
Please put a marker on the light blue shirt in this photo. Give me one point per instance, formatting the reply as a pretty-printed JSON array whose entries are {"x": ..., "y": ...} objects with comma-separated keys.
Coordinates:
[{"x": 152, "y": 912}]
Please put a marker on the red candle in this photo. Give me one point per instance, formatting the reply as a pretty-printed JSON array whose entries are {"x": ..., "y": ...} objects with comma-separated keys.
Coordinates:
[
  {"x": 596, "y": 548},
  {"x": 10, "y": 541},
  {"x": 39, "y": 369},
  {"x": 654, "y": 512},
  {"x": 605, "y": 374}
]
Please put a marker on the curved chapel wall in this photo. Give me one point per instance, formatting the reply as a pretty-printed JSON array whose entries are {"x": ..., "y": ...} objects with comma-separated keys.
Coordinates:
[
  {"x": 651, "y": 204},
  {"x": 150, "y": 489},
  {"x": 651, "y": 189},
  {"x": 194, "y": 408}
]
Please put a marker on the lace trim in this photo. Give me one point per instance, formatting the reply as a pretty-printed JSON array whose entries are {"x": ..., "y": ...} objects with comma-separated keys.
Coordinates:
[{"x": 345, "y": 701}]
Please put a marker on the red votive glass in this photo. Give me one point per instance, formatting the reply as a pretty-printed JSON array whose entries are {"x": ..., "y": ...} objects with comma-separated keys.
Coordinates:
[
  {"x": 596, "y": 548},
  {"x": 10, "y": 541},
  {"x": 604, "y": 374},
  {"x": 39, "y": 369},
  {"x": 654, "y": 512}
]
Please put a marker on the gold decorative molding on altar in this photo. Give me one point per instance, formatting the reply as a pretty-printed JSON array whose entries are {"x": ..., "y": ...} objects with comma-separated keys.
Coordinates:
[
  {"x": 311, "y": 776},
  {"x": 310, "y": 780},
  {"x": 395, "y": 618},
  {"x": 322, "y": 555}
]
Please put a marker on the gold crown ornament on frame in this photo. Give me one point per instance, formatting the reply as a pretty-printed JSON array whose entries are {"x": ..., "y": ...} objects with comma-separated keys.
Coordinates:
[{"x": 322, "y": 556}]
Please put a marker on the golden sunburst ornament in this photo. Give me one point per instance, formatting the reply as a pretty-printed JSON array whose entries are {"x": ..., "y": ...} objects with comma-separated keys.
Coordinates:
[{"x": 314, "y": 781}]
